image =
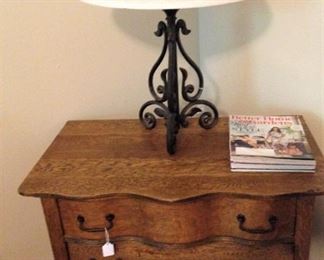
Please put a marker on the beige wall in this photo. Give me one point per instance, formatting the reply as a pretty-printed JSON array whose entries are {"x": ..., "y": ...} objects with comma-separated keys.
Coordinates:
[
  {"x": 264, "y": 57},
  {"x": 318, "y": 228},
  {"x": 63, "y": 60},
  {"x": 1, "y": 160}
]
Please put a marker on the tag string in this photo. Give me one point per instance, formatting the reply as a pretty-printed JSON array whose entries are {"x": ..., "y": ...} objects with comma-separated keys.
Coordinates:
[{"x": 107, "y": 235}]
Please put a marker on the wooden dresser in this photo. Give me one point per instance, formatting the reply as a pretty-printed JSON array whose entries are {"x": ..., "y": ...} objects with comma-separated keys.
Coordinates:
[{"x": 116, "y": 174}]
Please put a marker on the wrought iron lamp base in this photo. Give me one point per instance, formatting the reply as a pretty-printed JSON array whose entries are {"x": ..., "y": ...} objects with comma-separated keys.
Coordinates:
[{"x": 168, "y": 92}]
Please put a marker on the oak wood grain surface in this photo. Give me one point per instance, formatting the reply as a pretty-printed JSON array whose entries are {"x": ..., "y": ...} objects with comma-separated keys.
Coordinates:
[
  {"x": 55, "y": 228},
  {"x": 91, "y": 159},
  {"x": 224, "y": 250},
  {"x": 183, "y": 222},
  {"x": 305, "y": 210}
]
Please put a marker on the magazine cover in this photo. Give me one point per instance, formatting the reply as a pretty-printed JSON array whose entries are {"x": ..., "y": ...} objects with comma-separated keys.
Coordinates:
[{"x": 268, "y": 136}]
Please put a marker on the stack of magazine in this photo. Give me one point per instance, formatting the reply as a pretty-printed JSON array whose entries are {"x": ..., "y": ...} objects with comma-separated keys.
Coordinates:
[{"x": 269, "y": 144}]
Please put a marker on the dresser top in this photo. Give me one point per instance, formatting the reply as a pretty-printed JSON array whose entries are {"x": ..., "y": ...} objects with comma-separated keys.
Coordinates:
[{"x": 93, "y": 159}]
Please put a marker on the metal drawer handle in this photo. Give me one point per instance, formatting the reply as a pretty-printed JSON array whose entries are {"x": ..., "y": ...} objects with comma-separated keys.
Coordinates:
[
  {"x": 272, "y": 221},
  {"x": 109, "y": 218}
]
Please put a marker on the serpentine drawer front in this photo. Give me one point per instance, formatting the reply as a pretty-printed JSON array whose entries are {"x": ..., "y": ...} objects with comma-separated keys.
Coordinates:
[
  {"x": 113, "y": 174},
  {"x": 222, "y": 250},
  {"x": 140, "y": 228},
  {"x": 183, "y": 222}
]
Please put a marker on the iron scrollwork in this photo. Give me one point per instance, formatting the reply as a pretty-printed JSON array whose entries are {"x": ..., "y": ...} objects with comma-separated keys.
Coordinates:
[
  {"x": 161, "y": 89},
  {"x": 148, "y": 119},
  {"x": 207, "y": 119},
  {"x": 168, "y": 91}
]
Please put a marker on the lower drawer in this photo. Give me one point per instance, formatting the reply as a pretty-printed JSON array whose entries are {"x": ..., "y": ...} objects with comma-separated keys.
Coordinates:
[{"x": 224, "y": 250}]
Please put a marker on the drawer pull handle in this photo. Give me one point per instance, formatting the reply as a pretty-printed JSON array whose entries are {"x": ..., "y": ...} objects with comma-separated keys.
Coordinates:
[
  {"x": 272, "y": 221},
  {"x": 109, "y": 218}
]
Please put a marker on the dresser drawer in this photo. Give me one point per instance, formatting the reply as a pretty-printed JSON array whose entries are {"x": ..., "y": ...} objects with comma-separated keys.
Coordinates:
[
  {"x": 224, "y": 250},
  {"x": 181, "y": 222}
]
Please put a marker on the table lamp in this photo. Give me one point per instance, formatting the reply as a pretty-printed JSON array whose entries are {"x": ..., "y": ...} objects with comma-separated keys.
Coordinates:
[{"x": 166, "y": 96}]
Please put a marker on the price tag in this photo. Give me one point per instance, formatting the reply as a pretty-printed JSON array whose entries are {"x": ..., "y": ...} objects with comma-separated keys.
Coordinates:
[{"x": 108, "y": 248}]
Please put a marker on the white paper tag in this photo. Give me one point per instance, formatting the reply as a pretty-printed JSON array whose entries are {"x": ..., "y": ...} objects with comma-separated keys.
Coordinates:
[{"x": 108, "y": 249}]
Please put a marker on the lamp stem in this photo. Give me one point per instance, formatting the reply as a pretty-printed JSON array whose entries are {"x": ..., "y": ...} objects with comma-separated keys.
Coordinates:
[
  {"x": 169, "y": 92},
  {"x": 172, "y": 83}
]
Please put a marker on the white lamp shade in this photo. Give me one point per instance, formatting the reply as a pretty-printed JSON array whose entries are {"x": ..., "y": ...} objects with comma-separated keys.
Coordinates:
[{"x": 158, "y": 4}]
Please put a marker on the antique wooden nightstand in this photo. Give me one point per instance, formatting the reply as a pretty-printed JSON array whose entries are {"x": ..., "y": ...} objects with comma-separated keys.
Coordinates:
[{"x": 117, "y": 174}]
